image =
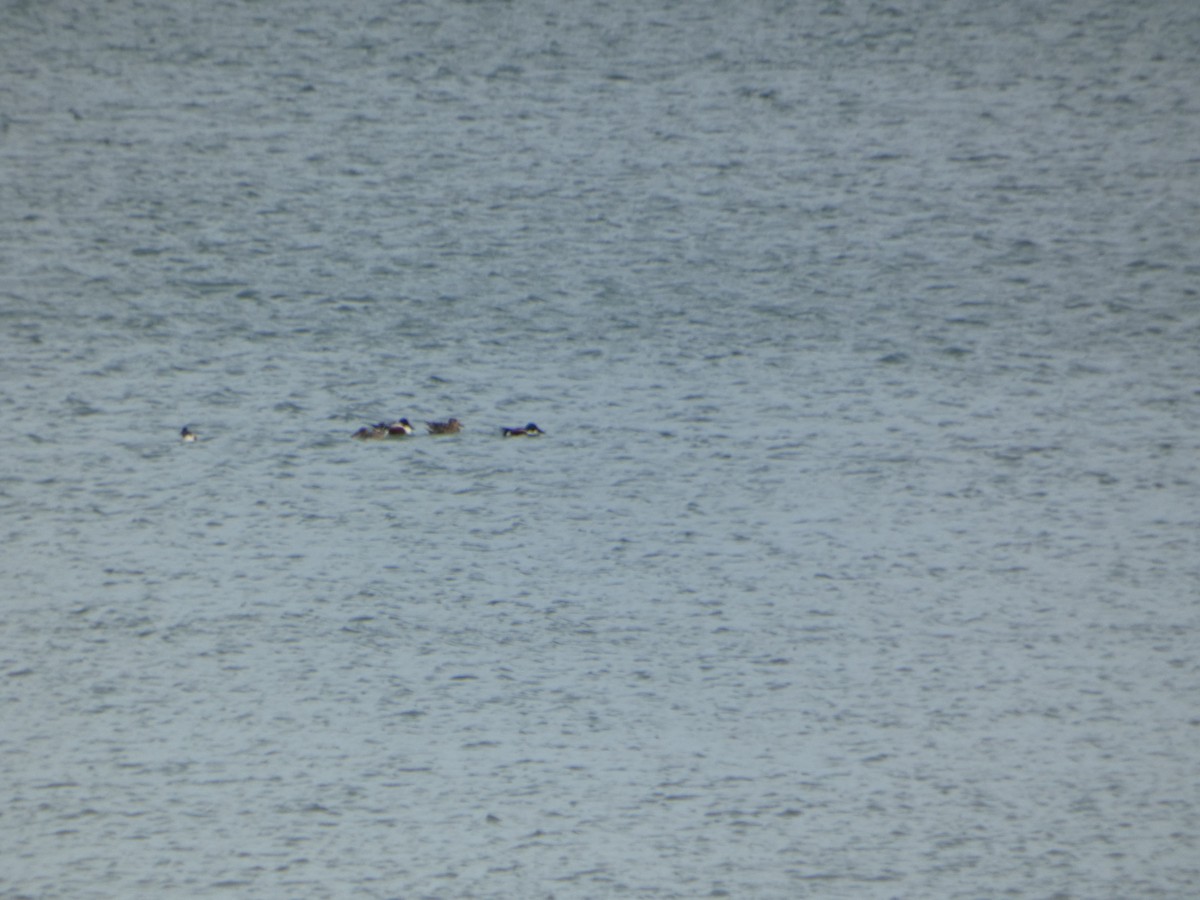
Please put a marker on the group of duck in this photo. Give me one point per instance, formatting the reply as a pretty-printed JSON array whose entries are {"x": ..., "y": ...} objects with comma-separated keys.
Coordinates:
[{"x": 403, "y": 428}]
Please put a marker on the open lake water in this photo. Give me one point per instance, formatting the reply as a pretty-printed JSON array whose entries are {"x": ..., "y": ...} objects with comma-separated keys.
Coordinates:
[{"x": 861, "y": 557}]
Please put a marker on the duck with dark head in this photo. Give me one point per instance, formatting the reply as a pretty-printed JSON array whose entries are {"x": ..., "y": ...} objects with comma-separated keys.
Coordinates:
[{"x": 528, "y": 431}]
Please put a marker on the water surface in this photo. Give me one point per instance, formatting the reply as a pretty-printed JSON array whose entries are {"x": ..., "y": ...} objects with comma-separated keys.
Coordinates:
[{"x": 859, "y": 558}]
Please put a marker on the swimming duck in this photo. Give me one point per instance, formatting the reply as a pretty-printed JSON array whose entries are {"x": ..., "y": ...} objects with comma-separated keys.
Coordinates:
[
  {"x": 186, "y": 434},
  {"x": 453, "y": 426},
  {"x": 399, "y": 428},
  {"x": 371, "y": 432},
  {"x": 528, "y": 431}
]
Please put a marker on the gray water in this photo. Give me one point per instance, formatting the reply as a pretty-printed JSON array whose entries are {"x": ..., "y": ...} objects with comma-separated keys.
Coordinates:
[{"x": 860, "y": 558}]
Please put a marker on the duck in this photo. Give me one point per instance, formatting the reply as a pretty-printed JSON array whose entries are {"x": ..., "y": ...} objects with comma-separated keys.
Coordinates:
[
  {"x": 453, "y": 426},
  {"x": 528, "y": 431},
  {"x": 371, "y": 432},
  {"x": 398, "y": 428},
  {"x": 187, "y": 435}
]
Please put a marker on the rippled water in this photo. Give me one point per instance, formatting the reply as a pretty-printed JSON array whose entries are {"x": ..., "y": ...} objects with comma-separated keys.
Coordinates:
[{"x": 860, "y": 558}]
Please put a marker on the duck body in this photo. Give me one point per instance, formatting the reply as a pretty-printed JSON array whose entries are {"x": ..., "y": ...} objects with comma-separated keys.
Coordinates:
[
  {"x": 452, "y": 426},
  {"x": 371, "y": 433},
  {"x": 529, "y": 430},
  {"x": 380, "y": 430},
  {"x": 187, "y": 435}
]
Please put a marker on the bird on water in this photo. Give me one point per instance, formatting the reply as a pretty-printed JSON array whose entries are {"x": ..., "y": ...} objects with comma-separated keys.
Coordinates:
[
  {"x": 528, "y": 431},
  {"x": 452, "y": 426}
]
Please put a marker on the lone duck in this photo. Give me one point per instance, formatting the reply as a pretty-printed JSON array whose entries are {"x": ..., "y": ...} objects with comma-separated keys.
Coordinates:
[
  {"x": 528, "y": 431},
  {"x": 453, "y": 426},
  {"x": 187, "y": 435}
]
